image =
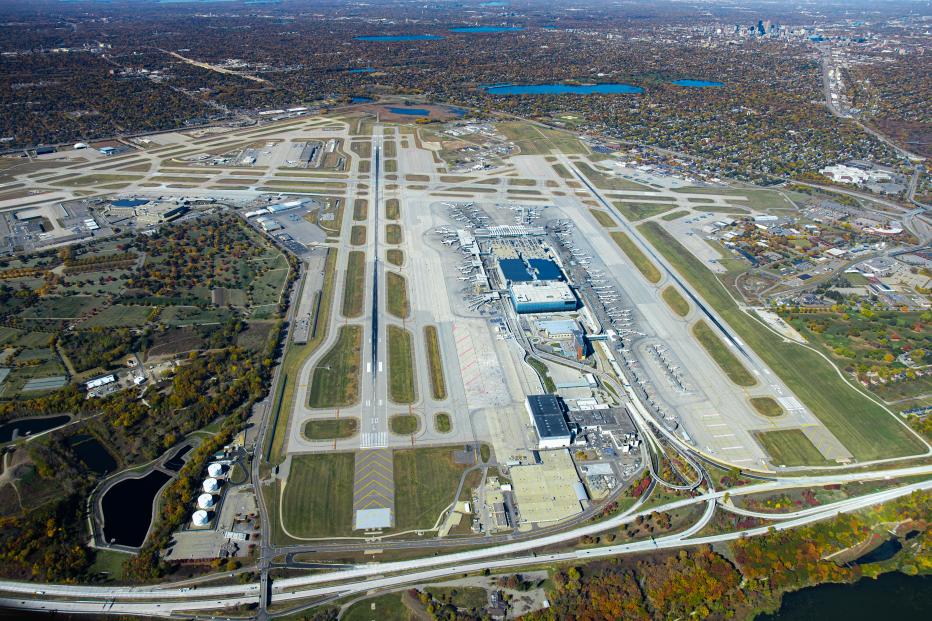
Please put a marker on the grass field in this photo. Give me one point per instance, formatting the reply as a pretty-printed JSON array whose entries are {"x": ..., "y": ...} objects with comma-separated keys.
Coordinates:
[
  {"x": 318, "y": 496},
  {"x": 396, "y": 295},
  {"x": 534, "y": 140},
  {"x": 97, "y": 179},
  {"x": 388, "y": 607},
  {"x": 674, "y": 215},
  {"x": 393, "y": 209},
  {"x": 541, "y": 368},
  {"x": 561, "y": 171},
  {"x": 865, "y": 429},
  {"x": 461, "y": 597},
  {"x": 109, "y": 562},
  {"x": 354, "y": 291},
  {"x": 395, "y": 256},
  {"x": 392, "y": 234},
  {"x": 676, "y": 301},
  {"x": 358, "y": 235},
  {"x": 762, "y": 200},
  {"x": 640, "y": 211},
  {"x": 438, "y": 384},
  {"x": 403, "y": 424},
  {"x": 722, "y": 355},
  {"x": 767, "y": 406},
  {"x": 336, "y": 378},
  {"x": 400, "y": 365},
  {"x": 442, "y": 422},
  {"x": 119, "y": 315},
  {"x": 330, "y": 428},
  {"x": 790, "y": 447},
  {"x": 425, "y": 484},
  {"x": 640, "y": 260},
  {"x": 391, "y": 166},
  {"x": 362, "y": 148},
  {"x": 67, "y": 307},
  {"x": 360, "y": 209},
  {"x": 603, "y": 218}
]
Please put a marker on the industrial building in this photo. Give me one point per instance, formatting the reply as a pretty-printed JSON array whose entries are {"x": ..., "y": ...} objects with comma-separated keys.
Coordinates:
[
  {"x": 546, "y": 413},
  {"x": 100, "y": 381},
  {"x": 549, "y": 490},
  {"x": 268, "y": 224},
  {"x": 542, "y": 297}
]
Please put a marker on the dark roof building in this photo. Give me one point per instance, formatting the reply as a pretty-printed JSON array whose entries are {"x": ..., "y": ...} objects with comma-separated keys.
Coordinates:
[{"x": 549, "y": 421}]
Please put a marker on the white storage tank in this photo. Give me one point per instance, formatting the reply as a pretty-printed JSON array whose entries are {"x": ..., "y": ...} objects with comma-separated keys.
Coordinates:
[
  {"x": 205, "y": 501},
  {"x": 214, "y": 470},
  {"x": 211, "y": 485},
  {"x": 200, "y": 518}
]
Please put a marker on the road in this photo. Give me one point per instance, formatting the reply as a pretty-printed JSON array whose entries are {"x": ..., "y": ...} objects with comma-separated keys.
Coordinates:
[{"x": 155, "y": 601}]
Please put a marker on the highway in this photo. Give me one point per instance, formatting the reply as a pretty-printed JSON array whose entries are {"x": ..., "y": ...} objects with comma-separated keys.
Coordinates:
[{"x": 165, "y": 601}]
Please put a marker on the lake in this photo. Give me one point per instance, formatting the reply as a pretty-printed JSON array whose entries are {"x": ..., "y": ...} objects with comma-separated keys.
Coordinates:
[
  {"x": 127, "y": 508},
  {"x": 891, "y": 596},
  {"x": 564, "y": 89},
  {"x": 30, "y": 426},
  {"x": 698, "y": 83},
  {"x": 360, "y": 99},
  {"x": 362, "y": 70},
  {"x": 471, "y": 29},
  {"x": 420, "y": 37},
  {"x": 410, "y": 111}
]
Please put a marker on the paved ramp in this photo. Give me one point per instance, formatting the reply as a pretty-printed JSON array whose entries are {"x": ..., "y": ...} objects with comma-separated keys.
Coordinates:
[{"x": 373, "y": 489}]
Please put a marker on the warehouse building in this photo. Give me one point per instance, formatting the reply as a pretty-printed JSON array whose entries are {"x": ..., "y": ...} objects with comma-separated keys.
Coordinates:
[
  {"x": 548, "y": 491},
  {"x": 549, "y": 421},
  {"x": 542, "y": 297}
]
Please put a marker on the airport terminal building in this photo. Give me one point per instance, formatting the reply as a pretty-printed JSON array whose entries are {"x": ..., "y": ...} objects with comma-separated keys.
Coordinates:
[{"x": 542, "y": 297}]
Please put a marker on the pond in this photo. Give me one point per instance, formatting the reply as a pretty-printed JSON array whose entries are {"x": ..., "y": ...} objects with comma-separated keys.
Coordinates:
[
  {"x": 698, "y": 83},
  {"x": 29, "y": 426},
  {"x": 418, "y": 37},
  {"x": 360, "y": 99},
  {"x": 176, "y": 462},
  {"x": 481, "y": 29},
  {"x": 127, "y": 508},
  {"x": 891, "y": 596},
  {"x": 92, "y": 453},
  {"x": 362, "y": 70},
  {"x": 563, "y": 89},
  {"x": 410, "y": 111},
  {"x": 883, "y": 552}
]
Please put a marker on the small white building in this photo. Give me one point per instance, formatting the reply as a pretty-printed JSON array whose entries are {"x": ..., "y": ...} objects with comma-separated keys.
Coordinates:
[{"x": 100, "y": 381}]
